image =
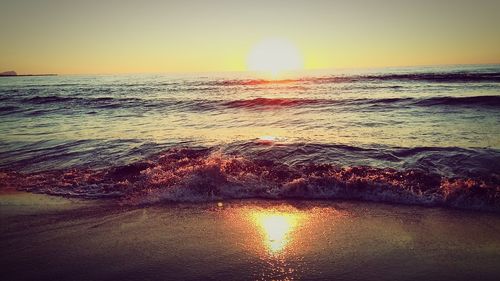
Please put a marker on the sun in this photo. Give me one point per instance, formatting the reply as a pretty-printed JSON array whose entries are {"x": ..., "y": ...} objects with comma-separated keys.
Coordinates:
[{"x": 274, "y": 56}]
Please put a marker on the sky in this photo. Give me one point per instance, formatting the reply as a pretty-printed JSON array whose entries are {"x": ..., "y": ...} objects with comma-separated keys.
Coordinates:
[{"x": 89, "y": 36}]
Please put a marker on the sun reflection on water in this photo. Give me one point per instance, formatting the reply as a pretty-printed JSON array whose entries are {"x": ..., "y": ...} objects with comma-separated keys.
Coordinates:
[
  {"x": 276, "y": 228},
  {"x": 278, "y": 235}
]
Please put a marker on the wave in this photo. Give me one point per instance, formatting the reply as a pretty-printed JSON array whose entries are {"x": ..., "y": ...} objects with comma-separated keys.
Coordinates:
[
  {"x": 445, "y": 77},
  {"x": 194, "y": 104},
  {"x": 305, "y": 80},
  {"x": 448, "y": 77},
  {"x": 63, "y": 99},
  {"x": 8, "y": 109},
  {"x": 274, "y": 102},
  {"x": 61, "y": 103},
  {"x": 194, "y": 174},
  {"x": 487, "y": 101},
  {"x": 493, "y": 101},
  {"x": 49, "y": 99}
]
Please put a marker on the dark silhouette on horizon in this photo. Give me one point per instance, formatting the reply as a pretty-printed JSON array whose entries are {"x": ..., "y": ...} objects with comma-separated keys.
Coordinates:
[{"x": 12, "y": 73}]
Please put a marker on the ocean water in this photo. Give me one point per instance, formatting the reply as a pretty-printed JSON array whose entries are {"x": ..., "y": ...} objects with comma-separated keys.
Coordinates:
[{"x": 426, "y": 135}]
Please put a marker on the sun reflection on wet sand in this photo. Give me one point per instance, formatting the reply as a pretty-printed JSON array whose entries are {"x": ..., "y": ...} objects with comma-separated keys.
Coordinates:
[
  {"x": 276, "y": 228},
  {"x": 278, "y": 235}
]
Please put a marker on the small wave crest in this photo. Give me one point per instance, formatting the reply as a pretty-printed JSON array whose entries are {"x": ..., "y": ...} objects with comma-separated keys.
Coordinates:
[
  {"x": 8, "y": 109},
  {"x": 445, "y": 77},
  {"x": 433, "y": 77},
  {"x": 50, "y": 99},
  {"x": 273, "y": 102},
  {"x": 460, "y": 101},
  {"x": 485, "y": 101},
  {"x": 257, "y": 103}
]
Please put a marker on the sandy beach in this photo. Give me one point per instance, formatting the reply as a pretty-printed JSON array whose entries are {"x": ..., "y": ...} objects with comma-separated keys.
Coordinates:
[{"x": 48, "y": 238}]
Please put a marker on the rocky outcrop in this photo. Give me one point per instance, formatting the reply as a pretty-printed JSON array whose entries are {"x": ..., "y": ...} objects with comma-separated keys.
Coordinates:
[{"x": 8, "y": 73}]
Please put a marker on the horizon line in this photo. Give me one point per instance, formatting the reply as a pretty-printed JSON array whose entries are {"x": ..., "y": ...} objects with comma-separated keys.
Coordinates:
[{"x": 245, "y": 71}]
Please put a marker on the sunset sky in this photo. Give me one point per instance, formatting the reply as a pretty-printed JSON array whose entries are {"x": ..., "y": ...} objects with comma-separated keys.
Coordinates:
[{"x": 89, "y": 36}]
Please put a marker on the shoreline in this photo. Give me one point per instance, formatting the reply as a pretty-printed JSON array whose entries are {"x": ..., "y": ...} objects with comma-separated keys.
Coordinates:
[
  {"x": 243, "y": 240},
  {"x": 115, "y": 201}
]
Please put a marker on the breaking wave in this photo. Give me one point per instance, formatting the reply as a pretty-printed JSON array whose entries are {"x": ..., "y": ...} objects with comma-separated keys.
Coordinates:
[{"x": 194, "y": 174}]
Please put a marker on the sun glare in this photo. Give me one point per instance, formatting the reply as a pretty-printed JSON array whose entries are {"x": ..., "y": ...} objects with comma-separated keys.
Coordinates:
[
  {"x": 274, "y": 56},
  {"x": 276, "y": 229}
]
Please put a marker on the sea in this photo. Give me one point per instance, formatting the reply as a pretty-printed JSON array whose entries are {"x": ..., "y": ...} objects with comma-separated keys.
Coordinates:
[{"x": 410, "y": 135}]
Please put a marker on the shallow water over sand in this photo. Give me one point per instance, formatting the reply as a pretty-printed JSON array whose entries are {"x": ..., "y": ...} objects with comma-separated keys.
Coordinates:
[{"x": 250, "y": 240}]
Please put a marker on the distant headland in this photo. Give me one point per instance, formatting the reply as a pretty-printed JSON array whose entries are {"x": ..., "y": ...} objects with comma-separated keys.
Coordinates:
[{"x": 12, "y": 73}]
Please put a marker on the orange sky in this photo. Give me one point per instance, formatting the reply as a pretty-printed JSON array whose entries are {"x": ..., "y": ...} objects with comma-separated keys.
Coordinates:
[{"x": 72, "y": 37}]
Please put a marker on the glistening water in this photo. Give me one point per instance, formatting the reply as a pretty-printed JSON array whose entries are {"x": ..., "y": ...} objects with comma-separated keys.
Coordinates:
[{"x": 420, "y": 135}]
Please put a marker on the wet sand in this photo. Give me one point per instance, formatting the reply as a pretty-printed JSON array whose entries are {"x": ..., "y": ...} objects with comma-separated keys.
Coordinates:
[{"x": 50, "y": 238}]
